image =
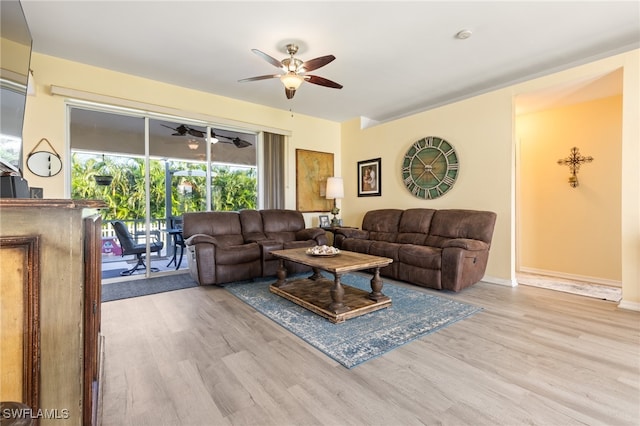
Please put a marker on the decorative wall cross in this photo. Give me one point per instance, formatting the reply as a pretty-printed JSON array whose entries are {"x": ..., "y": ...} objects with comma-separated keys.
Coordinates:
[{"x": 574, "y": 161}]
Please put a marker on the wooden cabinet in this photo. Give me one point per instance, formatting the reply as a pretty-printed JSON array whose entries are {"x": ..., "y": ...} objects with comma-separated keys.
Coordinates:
[{"x": 51, "y": 271}]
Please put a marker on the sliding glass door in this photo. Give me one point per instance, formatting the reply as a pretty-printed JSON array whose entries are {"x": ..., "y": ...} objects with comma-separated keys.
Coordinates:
[{"x": 151, "y": 171}]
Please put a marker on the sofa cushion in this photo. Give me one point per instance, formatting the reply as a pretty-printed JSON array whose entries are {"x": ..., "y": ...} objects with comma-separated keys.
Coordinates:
[
  {"x": 385, "y": 249},
  {"x": 282, "y": 225},
  {"x": 382, "y": 224},
  {"x": 238, "y": 254},
  {"x": 423, "y": 256},
  {"x": 390, "y": 250},
  {"x": 354, "y": 244},
  {"x": 252, "y": 229},
  {"x": 224, "y": 226},
  {"x": 414, "y": 226},
  {"x": 472, "y": 224}
]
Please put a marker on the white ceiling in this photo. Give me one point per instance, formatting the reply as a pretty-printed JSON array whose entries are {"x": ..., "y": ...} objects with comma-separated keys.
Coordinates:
[{"x": 394, "y": 58}]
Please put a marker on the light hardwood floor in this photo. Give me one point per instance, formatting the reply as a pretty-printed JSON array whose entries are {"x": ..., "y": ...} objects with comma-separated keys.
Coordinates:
[{"x": 533, "y": 356}]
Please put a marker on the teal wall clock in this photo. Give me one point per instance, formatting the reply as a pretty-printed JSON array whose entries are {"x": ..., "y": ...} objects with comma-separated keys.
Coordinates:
[{"x": 430, "y": 168}]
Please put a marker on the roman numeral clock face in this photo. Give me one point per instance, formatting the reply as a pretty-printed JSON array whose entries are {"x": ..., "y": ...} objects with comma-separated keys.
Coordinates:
[{"x": 430, "y": 168}]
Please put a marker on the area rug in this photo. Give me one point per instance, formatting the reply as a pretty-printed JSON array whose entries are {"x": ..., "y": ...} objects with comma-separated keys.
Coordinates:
[
  {"x": 413, "y": 314},
  {"x": 143, "y": 287}
]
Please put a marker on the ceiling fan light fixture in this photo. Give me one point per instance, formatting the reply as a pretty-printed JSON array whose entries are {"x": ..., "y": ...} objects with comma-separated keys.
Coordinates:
[
  {"x": 193, "y": 144},
  {"x": 291, "y": 80}
]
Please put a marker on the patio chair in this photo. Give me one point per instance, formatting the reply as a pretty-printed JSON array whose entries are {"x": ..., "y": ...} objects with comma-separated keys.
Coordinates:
[
  {"x": 132, "y": 247},
  {"x": 175, "y": 231}
]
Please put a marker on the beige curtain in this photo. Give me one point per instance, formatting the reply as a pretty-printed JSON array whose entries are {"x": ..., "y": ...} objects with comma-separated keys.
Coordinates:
[{"x": 274, "y": 167}]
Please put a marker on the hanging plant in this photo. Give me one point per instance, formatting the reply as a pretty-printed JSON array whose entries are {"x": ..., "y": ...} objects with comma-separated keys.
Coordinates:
[{"x": 106, "y": 179}]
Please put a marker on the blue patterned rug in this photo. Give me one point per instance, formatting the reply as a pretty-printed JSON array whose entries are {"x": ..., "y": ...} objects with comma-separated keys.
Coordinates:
[{"x": 413, "y": 314}]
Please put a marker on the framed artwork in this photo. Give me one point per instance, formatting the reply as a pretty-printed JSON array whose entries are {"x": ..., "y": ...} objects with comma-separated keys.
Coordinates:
[
  {"x": 312, "y": 170},
  {"x": 324, "y": 221},
  {"x": 369, "y": 180}
]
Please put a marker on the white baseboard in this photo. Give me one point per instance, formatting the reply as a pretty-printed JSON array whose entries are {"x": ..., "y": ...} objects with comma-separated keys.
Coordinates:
[
  {"x": 500, "y": 281},
  {"x": 631, "y": 306},
  {"x": 573, "y": 277}
]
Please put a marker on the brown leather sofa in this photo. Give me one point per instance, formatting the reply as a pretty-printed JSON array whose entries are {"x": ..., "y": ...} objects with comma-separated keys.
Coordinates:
[
  {"x": 440, "y": 249},
  {"x": 231, "y": 246}
]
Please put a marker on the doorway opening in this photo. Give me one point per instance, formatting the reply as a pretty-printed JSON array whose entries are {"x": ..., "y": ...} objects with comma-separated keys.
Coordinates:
[{"x": 568, "y": 238}]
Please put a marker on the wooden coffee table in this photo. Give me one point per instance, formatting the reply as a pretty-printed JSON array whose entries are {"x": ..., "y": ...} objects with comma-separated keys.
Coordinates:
[{"x": 330, "y": 298}]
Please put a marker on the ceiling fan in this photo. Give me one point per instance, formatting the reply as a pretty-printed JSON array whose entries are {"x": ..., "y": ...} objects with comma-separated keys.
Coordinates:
[
  {"x": 183, "y": 130},
  {"x": 295, "y": 70}
]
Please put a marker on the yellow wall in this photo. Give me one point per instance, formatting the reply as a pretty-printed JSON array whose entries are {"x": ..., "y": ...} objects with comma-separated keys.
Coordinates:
[
  {"x": 565, "y": 230},
  {"x": 45, "y": 115},
  {"x": 482, "y": 137},
  {"x": 14, "y": 58}
]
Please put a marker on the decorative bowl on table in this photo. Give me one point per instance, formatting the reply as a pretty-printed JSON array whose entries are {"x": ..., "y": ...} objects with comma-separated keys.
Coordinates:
[{"x": 326, "y": 251}]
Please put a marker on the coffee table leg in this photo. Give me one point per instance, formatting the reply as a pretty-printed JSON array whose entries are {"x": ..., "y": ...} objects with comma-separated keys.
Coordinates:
[
  {"x": 376, "y": 287},
  {"x": 316, "y": 274},
  {"x": 281, "y": 273},
  {"x": 337, "y": 295}
]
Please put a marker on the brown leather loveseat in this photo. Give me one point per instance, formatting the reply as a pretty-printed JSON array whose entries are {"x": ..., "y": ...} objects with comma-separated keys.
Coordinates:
[
  {"x": 440, "y": 249},
  {"x": 231, "y": 246}
]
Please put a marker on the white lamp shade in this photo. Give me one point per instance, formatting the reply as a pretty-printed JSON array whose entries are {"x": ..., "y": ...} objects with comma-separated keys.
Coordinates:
[
  {"x": 291, "y": 80},
  {"x": 335, "y": 188}
]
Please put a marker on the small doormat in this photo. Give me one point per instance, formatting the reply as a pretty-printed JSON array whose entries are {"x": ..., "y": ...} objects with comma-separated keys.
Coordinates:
[
  {"x": 413, "y": 314},
  {"x": 143, "y": 287},
  {"x": 582, "y": 288}
]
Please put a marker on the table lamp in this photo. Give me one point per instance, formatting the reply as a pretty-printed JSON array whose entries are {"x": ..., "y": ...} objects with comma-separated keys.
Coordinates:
[{"x": 335, "y": 190}]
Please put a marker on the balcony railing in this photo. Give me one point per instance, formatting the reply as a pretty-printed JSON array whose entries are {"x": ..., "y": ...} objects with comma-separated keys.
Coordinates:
[{"x": 137, "y": 229}]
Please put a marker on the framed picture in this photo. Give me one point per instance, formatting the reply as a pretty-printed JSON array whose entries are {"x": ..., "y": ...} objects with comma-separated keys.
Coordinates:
[
  {"x": 369, "y": 180},
  {"x": 312, "y": 170},
  {"x": 324, "y": 221}
]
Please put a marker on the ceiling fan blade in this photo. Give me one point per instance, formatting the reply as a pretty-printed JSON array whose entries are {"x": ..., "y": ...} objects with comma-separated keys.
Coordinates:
[
  {"x": 322, "y": 81},
  {"x": 196, "y": 133},
  {"x": 314, "y": 64},
  {"x": 289, "y": 92},
  {"x": 239, "y": 143},
  {"x": 273, "y": 61},
  {"x": 179, "y": 131},
  {"x": 261, "y": 77}
]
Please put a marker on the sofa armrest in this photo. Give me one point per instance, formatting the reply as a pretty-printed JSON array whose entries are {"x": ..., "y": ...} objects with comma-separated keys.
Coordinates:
[
  {"x": 267, "y": 246},
  {"x": 201, "y": 239},
  {"x": 466, "y": 244},
  {"x": 319, "y": 235},
  {"x": 352, "y": 233},
  {"x": 309, "y": 233}
]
